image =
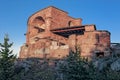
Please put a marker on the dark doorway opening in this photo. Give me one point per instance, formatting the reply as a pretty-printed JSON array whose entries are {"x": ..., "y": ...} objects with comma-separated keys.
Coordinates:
[{"x": 100, "y": 54}]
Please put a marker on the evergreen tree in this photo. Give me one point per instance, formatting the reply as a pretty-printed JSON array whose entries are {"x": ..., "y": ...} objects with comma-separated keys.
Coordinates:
[
  {"x": 6, "y": 60},
  {"x": 76, "y": 68}
]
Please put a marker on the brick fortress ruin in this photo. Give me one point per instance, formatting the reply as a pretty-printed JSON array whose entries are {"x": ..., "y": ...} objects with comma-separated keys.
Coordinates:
[{"x": 51, "y": 33}]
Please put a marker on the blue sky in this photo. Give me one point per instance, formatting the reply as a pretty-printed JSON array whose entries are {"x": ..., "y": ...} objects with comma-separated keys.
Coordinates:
[{"x": 105, "y": 14}]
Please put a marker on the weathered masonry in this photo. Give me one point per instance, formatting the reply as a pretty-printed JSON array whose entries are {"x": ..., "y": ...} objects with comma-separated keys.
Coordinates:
[{"x": 51, "y": 33}]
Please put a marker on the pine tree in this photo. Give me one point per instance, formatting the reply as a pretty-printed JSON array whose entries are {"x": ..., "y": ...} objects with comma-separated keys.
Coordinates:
[
  {"x": 6, "y": 60},
  {"x": 76, "y": 68}
]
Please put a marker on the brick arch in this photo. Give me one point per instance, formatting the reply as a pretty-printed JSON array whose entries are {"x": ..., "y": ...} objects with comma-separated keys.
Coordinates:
[
  {"x": 36, "y": 26},
  {"x": 38, "y": 20}
]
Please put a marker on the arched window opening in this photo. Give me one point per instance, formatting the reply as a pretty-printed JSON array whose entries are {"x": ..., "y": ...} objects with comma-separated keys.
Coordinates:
[
  {"x": 70, "y": 23},
  {"x": 39, "y": 24},
  {"x": 38, "y": 21}
]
